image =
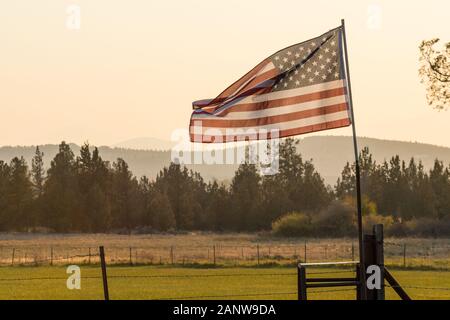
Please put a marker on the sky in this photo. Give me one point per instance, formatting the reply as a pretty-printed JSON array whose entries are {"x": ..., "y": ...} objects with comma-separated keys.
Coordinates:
[{"x": 128, "y": 69}]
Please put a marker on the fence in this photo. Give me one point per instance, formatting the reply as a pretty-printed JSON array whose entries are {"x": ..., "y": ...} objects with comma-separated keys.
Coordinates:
[
  {"x": 398, "y": 254},
  {"x": 145, "y": 283}
]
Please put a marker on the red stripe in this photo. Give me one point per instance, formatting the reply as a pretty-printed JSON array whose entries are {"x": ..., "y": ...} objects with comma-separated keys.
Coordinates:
[{"x": 283, "y": 133}]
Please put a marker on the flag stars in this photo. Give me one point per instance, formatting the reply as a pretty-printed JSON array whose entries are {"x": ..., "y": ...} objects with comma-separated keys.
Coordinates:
[{"x": 313, "y": 62}]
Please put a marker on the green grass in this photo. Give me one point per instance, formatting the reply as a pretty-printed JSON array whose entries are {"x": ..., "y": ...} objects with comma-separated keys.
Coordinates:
[{"x": 152, "y": 282}]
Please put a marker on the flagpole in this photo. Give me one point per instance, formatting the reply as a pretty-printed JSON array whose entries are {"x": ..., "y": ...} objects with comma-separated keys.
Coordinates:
[{"x": 362, "y": 275}]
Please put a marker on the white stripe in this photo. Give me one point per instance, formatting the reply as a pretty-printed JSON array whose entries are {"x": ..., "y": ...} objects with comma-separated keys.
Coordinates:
[
  {"x": 267, "y": 67},
  {"x": 341, "y": 115},
  {"x": 284, "y": 94},
  {"x": 250, "y": 115}
]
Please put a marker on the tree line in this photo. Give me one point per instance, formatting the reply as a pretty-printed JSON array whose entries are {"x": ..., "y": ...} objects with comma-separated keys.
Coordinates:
[{"x": 84, "y": 193}]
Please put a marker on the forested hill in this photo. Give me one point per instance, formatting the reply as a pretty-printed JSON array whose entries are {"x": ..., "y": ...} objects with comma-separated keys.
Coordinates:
[{"x": 329, "y": 153}]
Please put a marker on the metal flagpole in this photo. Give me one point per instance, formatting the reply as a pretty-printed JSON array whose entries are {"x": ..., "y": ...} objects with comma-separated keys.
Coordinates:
[{"x": 362, "y": 275}]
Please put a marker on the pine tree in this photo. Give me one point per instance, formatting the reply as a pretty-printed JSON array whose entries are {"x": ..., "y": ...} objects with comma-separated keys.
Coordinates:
[
  {"x": 20, "y": 195},
  {"x": 61, "y": 196},
  {"x": 38, "y": 173}
]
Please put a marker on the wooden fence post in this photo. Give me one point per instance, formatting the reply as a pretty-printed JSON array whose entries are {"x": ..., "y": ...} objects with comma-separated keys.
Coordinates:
[
  {"x": 257, "y": 254},
  {"x": 51, "y": 256},
  {"x": 89, "y": 259},
  {"x": 104, "y": 276},
  {"x": 379, "y": 254},
  {"x": 214, "y": 254},
  {"x": 171, "y": 254},
  {"x": 353, "y": 251},
  {"x": 305, "y": 252},
  {"x": 301, "y": 283},
  {"x": 12, "y": 258},
  {"x": 131, "y": 261}
]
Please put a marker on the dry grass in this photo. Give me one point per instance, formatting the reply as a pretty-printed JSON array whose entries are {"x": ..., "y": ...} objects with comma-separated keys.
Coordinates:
[{"x": 201, "y": 248}]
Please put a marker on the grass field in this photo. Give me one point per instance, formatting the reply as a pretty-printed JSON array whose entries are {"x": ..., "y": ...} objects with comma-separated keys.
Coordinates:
[{"x": 151, "y": 282}]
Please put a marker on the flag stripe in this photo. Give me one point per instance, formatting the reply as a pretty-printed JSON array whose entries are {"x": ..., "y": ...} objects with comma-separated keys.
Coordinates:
[
  {"x": 316, "y": 119},
  {"x": 282, "y": 133},
  {"x": 225, "y": 123},
  {"x": 249, "y": 115}
]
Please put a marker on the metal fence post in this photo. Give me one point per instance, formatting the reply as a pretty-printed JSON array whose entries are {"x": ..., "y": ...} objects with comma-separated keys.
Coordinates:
[
  {"x": 104, "y": 276},
  {"x": 404, "y": 255}
]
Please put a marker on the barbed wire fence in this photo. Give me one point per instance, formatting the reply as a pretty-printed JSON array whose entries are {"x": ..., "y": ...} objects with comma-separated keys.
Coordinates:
[{"x": 318, "y": 293}]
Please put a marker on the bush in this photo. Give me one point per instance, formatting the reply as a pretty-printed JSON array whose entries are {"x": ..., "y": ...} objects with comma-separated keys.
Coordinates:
[
  {"x": 294, "y": 224},
  {"x": 373, "y": 219},
  {"x": 337, "y": 220}
]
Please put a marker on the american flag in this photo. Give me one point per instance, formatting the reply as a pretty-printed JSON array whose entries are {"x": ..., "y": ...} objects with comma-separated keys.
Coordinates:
[{"x": 297, "y": 90}]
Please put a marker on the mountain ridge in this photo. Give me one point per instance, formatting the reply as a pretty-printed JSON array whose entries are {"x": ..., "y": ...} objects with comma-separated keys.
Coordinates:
[{"x": 329, "y": 155}]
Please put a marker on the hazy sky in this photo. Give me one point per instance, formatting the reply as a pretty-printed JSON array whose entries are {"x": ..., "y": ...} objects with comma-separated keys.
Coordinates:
[{"x": 134, "y": 67}]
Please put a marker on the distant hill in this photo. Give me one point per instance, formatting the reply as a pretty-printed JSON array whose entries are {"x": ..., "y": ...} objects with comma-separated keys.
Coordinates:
[
  {"x": 329, "y": 154},
  {"x": 145, "y": 143}
]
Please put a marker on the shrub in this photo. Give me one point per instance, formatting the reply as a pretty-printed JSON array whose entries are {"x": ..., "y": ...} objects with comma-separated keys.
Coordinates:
[
  {"x": 338, "y": 219},
  {"x": 373, "y": 219},
  {"x": 294, "y": 224}
]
